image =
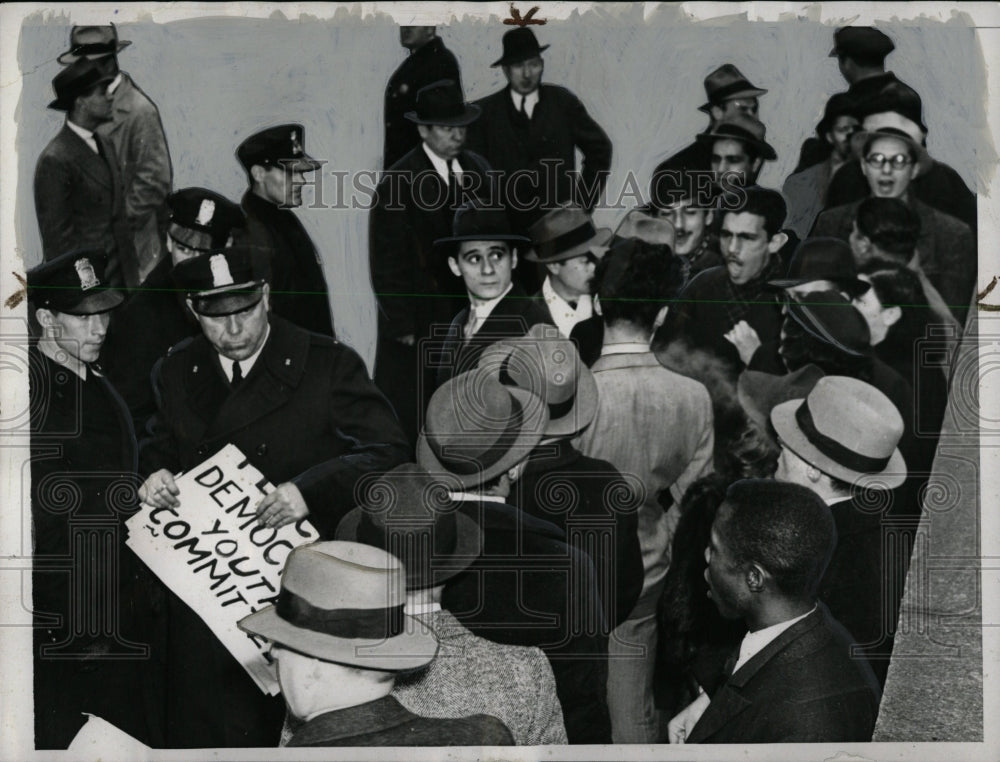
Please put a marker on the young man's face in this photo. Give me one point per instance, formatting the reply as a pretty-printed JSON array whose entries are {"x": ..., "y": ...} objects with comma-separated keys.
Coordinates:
[
  {"x": 730, "y": 108},
  {"x": 239, "y": 335},
  {"x": 443, "y": 140},
  {"x": 79, "y": 336},
  {"x": 731, "y": 156},
  {"x": 888, "y": 167},
  {"x": 840, "y": 134},
  {"x": 525, "y": 76},
  {"x": 97, "y": 102},
  {"x": 726, "y": 579},
  {"x": 485, "y": 267},
  {"x": 180, "y": 252},
  {"x": 746, "y": 246},
  {"x": 791, "y": 468},
  {"x": 281, "y": 186},
  {"x": 574, "y": 274},
  {"x": 690, "y": 225}
]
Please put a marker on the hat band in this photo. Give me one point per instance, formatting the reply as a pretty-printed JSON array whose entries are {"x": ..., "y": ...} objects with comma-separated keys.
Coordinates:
[
  {"x": 818, "y": 331},
  {"x": 567, "y": 240},
  {"x": 490, "y": 456},
  {"x": 733, "y": 88},
  {"x": 834, "y": 449},
  {"x": 95, "y": 47},
  {"x": 454, "y": 110},
  {"x": 367, "y": 624}
]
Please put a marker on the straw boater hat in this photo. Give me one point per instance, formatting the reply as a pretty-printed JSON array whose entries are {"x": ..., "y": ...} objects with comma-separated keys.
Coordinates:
[
  {"x": 410, "y": 513},
  {"x": 548, "y": 365},
  {"x": 476, "y": 428},
  {"x": 847, "y": 429},
  {"x": 563, "y": 233},
  {"x": 73, "y": 283},
  {"x": 343, "y": 602}
]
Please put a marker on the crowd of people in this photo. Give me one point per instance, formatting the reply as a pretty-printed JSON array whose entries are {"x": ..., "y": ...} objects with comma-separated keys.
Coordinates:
[{"x": 644, "y": 485}]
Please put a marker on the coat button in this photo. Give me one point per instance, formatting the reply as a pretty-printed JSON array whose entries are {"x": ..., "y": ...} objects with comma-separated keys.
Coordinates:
[{"x": 262, "y": 450}]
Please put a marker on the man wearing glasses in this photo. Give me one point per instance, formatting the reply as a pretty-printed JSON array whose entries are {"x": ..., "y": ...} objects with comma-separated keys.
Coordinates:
[{"x": 946, "y": 250}]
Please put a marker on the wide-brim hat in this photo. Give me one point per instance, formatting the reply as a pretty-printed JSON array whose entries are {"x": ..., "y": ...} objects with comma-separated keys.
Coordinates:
[
  {"x": 442, "y": 103},
  {"x": 564, "y": 232},
  {"x": 726, "y": 83},
  {"x": 75, "y": 80},
  {"x": 92, "y": 42},
  {"x": 889, "y": 130},
  {"x": 759, "y": 393},
  {"x": 823, "y": 258},
  {"x": 847, "y": 429},
  {"x": 519, "y": 45},
  {"x": 73, "y": 283},
  {"x": 408, "y": 512},
  {"x": 476, "y": 222},
  {"x": 744, "y": 128},
  {"x": 830, "y": 318},
  {"x": 548, "y": 365},
  {"x": 221, "y": 282},
  {"x": 343, "y": 602},
  {"x": 476, "y": 428}
]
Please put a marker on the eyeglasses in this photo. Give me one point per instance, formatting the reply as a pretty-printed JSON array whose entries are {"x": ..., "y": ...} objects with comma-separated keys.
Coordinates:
[{"x": 879, "y": 160}]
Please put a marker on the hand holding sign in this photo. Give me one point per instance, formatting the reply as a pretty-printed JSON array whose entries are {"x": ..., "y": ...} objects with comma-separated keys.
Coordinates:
[
  {"x": 283, "y": 506},
  {"x": 159, "y": 490}
]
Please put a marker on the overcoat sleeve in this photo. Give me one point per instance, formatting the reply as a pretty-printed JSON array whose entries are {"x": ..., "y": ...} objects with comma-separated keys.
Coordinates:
[
  {"x": 53, "y": 191},
  {"x": 152, "y": 174}
]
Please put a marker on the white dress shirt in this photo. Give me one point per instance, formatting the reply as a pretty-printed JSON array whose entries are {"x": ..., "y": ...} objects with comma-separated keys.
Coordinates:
[
  {"x": 563, "y": 313},
  {"x": 114, "y": 83},
  {"x": 87, "y": 135},
  {"x": 479, "y": 312},
  {"x": 530, "y": 101},
  {"x": 625, "y": 348},
  {"x": 754, "y": 642},
  {"x": 441, "y": 166},
  {"x": 245, "y": 365}
]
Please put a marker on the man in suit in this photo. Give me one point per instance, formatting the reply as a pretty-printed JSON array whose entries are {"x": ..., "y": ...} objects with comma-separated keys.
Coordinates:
[
  {"x": 276, "y": 164},
  {"x": 639, "y": 400},
  {"x": 471, "y": 675},
  {"x": 340, "y": 636},
  {"x": 413, "y": 207},
  {"x": 840, "y": 439},
  {"x": 530, "y": 132},
  {"x": 793, "y": 679},
  {"x": 156, "y": 317},
  {"x": 729, "y": 94},
  {"x": 88, "y": 654},
  {"x": 428, "y": 61},
  {"x": 140, "y": 146},
  {"x": 301, "y": 408},
  {"x": 482, "y": 251},
  {"x": 78, "y": 198}
]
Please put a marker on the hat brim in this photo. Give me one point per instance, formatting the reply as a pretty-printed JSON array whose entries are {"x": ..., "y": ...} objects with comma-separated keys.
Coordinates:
[
  {"x": 527, "y": 439},
  {"x": 758, "y": 392},
  {"x": 468, "y": 547},
  {"x": 227, "y": 301},
  {"x": 65, "y": 104},
  {"x": 924, "y": 160},
  {"x": 854, "y": 287},
  {"x": 70, "y": 57},
  {"x": 93, "y": 304},
  {"x": 783, "y": 420},
  {"x": 412, "y": 648},
  {"x": 469, "y": 114},
  {"x": 600, "y": 238},
  {"x": 764, "y": 150},
  {"x": 751, "y": 92},
  {"x": 503, "y": 61}
]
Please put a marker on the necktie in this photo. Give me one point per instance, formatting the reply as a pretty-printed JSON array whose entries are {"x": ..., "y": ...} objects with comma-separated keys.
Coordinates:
[
  {"x": 523, "y": 97},
  {"x": 237, "y": 375},
  {"x": 452, "y": 186}
]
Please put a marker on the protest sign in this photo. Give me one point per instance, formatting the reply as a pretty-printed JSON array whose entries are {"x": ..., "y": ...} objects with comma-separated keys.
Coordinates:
[{"x": 211, "y": 552}]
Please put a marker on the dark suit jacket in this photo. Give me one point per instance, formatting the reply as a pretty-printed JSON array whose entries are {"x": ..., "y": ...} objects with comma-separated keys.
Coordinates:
[
  {"x": 298, "y": 286},
  {"x": 428, "y": 64},
  {"x": 512, "y": 317},
  {"x": 802, "y": 687},
  {"x": 411, "y": 210},
  {"x": 558, "y": 126},
  {"x": 79, "y": 203},
  {"x": 384, "y": 722}
]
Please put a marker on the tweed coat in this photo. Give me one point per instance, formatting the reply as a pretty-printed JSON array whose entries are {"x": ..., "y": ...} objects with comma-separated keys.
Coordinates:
[
  {"x": 429, "y": 63},
  {"x": 946, "y": 249},
  {"x": 298, "y": 285},
  {"x": 79, "y": 203},
  {"x": 472, "y": 675},
  {"x": 802, "y": 687},
  {"x": 805, "y": 195},
  {"x": 559, "y": 125},
  {"x": 384, "y": 722},
  {"x": 136, "y": 132}
]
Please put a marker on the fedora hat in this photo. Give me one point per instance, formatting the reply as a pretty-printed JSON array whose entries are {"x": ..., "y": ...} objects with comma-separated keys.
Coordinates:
[
  {"x": 282, "y": 145},
  {"x": 73, "y": 283},
  {"x": 519, "y": 45},
  {"x": 442, "y": 103},
  {"x": 847, "y": 429},
  {"x": 476, "y": 222},
  {"x": 725, "y": 83},
  {"x": 548, "y": 365},
  {"x": 889, "y": 127},
  {"x": 92, "y": 42},
  {"x": 409, "y": 513},
  {"x": 744, "y": 128},
  {"x": 643, "y": 224},
  {"x": 221, "y": 282},
  {"x": 75, "y": 80},
  {"x": 476, "y": 428},
  {"x": 563, "y": 233},
  {"x": 832, "y": 319},
  {"x": 897, "y": 98},
  {"x": 828, "y": 259},
  {"x": 343, "y": 602},
  {"x": 758, "y": 392},
  {"x": 838, "y": 105}
]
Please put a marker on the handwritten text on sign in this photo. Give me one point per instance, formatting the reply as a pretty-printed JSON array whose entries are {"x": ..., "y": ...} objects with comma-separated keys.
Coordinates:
[{"x": 213, "y": 555}]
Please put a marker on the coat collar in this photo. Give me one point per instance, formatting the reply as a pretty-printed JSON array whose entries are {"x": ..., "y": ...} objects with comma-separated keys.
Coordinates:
[
  {"x": 370, "y": 717},
  {"x": 87, "y": 161}
]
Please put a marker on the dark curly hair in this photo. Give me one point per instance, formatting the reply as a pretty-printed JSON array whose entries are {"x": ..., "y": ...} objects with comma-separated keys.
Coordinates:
[{"x": 635, "y": 280}]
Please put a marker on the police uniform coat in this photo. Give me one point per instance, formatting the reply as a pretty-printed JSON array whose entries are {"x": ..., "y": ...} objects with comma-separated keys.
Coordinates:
[
  {"x": 140, "y": 146},
  {"x": 802, "y": 687},
  {"x": 430, "y": 63},
  {"x": 298, "y": 285},
  {"x": 79, "y": 203}
]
